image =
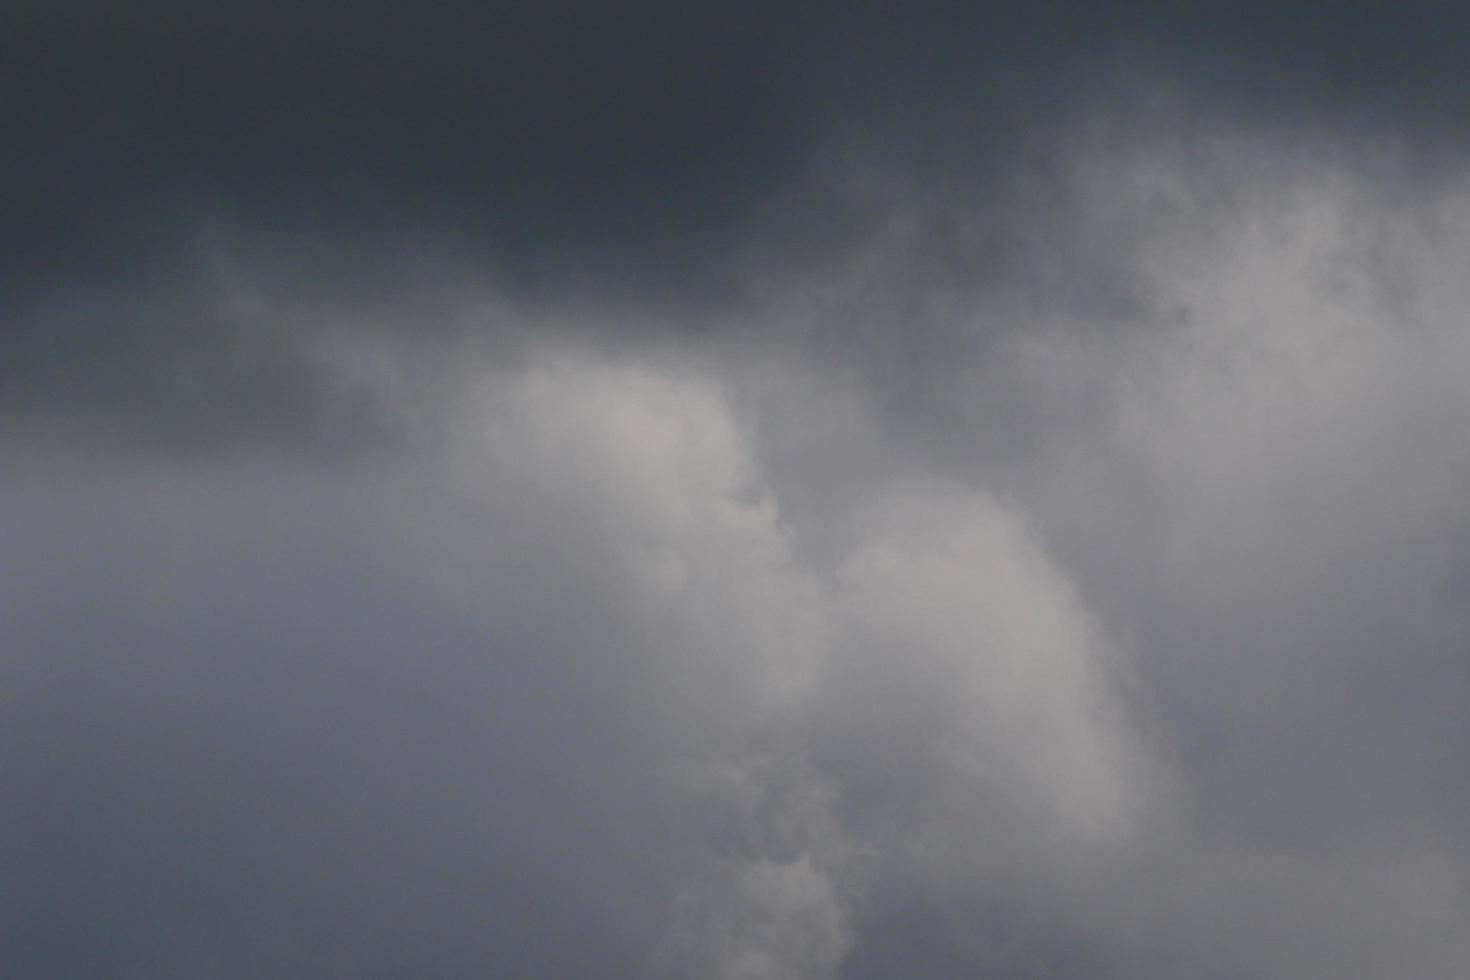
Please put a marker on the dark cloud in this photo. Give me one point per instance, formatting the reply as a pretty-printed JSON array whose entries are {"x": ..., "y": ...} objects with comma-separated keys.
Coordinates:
[
  {"x": 714, "y": 490},
  {"x": 564, "y": 136},
  {"x": 670, "y": 163}
]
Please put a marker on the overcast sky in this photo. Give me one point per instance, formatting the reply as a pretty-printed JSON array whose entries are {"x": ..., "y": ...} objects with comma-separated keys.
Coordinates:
[{"x": 762, "y": 491}]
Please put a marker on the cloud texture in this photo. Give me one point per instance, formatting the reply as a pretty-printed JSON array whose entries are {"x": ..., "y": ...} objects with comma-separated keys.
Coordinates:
[{"x": 552, "y": 491}]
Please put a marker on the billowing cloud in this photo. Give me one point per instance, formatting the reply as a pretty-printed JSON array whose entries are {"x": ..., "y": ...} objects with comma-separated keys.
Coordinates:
[
  {"x": 537, "y": 491},
  {"x": 585, "y": 637}
]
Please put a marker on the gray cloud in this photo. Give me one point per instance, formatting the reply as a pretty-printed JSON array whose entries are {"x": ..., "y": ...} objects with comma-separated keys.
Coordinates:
[
  {"x": 531, "y": 491},
  {"x": 676, "y": 166}
]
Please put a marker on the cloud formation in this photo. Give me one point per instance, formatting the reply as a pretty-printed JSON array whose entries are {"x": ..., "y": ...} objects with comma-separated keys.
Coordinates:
[{"x": 543, "y": 491}]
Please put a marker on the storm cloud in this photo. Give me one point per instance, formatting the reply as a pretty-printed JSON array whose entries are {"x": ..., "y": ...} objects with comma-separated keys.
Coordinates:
[{"x": 734, "y": 491}]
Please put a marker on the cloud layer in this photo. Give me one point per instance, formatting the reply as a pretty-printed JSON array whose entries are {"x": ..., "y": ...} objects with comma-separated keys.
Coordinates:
[{"x": 539, "y": 492}]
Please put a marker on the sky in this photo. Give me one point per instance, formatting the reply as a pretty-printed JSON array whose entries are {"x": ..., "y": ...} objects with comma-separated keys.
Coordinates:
[{"x": 716, "y": 491}]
